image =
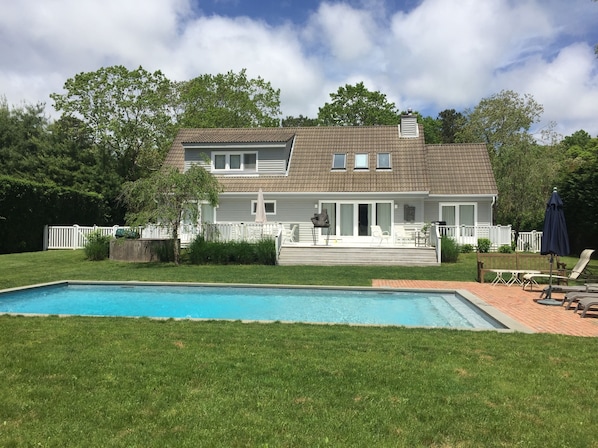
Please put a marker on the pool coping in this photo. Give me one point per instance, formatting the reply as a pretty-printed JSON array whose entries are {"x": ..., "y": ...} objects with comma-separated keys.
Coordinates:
[{"x": 511, "y": 324}]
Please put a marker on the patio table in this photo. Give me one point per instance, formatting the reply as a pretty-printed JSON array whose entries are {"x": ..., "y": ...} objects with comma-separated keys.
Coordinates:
[{"x": 514, "y": 276}]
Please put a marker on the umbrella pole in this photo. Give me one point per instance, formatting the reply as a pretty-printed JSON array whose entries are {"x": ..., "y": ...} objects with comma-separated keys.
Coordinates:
[
  {"x": 548, "y": 300},
  {"x": 549, "y": 295}
]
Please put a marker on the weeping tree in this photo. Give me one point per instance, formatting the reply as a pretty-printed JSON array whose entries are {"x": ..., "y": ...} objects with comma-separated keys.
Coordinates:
[{"x": 166, "y": 196}]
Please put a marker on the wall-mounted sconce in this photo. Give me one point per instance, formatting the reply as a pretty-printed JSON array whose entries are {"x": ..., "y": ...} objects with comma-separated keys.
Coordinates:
[{"x": 315, "y": 205}]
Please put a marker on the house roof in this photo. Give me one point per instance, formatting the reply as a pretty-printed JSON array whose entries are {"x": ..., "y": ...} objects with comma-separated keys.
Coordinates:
[{"x": 416, "y": 167}]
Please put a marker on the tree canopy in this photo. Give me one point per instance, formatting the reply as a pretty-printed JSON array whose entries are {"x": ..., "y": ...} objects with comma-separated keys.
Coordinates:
[
  {"x": 129, "y": 112},
  {"x": 578, "y": 187},
  {"x": 525, "y": 172},
  {"x": 357, "y": 106},
  {"x": 228, "y": 101}
]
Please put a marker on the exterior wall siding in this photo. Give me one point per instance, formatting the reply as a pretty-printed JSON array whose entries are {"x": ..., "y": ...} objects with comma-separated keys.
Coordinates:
[{"x": 270, "y": 161}]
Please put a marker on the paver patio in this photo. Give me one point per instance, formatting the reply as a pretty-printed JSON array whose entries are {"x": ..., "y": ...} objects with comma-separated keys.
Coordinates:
[{"x": 516, "y": 303}]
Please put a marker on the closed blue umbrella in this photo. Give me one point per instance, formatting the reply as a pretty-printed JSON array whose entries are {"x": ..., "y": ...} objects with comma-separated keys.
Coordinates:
[{"x": 555, "y": 240}]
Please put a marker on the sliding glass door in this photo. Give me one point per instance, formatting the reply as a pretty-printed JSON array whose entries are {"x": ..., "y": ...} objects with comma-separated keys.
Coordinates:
[{"x": 352, "y": 220}]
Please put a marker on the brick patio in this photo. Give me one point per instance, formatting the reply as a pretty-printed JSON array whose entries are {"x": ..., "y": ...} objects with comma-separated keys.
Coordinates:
[{"x": 516, "y": 303}]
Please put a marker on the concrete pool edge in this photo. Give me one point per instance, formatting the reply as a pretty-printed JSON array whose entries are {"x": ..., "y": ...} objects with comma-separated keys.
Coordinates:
[{"x": 510, "y": 324}]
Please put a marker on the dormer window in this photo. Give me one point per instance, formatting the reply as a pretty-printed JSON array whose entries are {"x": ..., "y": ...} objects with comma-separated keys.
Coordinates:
[
  {"x": 339, "y": 161},
  {"x": 361, "y": 161},
  {"x": 383, "y": 161},
  {"x": 234, "y": 161}
]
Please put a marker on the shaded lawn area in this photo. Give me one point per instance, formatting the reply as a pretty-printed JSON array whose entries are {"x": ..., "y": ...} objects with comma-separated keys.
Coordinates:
[{"x": 101, "y": 382}]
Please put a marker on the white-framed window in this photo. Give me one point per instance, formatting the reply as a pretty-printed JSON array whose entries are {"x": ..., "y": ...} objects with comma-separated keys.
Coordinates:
[
  {"x": 339, "y": 161},
  {"x": 270, "y": 207},
  {"x": 361, "y": 161},
  {"x": 383, "y": 161},
  {"x": 458, "y": 214},
  {"x": 234, "y": 161}
]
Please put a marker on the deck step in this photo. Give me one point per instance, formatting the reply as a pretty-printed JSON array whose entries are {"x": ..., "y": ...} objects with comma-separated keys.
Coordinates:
[{"x": 337, "y": 256}]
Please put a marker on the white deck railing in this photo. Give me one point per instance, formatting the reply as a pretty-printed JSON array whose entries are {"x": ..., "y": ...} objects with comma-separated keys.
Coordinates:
[{"x": 75, "y": 237}]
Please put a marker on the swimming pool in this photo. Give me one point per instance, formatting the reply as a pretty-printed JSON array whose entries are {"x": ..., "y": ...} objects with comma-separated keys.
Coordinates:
[{"x": 364, "y": 306}]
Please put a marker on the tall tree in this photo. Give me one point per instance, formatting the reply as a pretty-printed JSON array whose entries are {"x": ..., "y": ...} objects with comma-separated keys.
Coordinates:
[
  {"x": 525, "y": 172},
  {"x": 431, "y": 129},
  {"x": 166, "y": 195},
  {"x": 578, "y": 187},
  {"x": 451, "y": 123},
  {"x": 228, "y": 101},
  {"x": 357, "y": 106},
  {"x": 22, "y": 132},
  {"x": 130, "y": 113}
]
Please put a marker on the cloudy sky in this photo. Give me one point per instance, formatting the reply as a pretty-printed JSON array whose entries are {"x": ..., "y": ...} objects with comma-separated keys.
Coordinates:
[{"x": 427, "y": 55}]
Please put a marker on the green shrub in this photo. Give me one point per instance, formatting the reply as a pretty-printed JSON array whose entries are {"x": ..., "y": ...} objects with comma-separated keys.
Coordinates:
[
  {"x": 466, "y": 249},
  {"x": 449, "y": 250},
  {"x": 484, "y": 245},
  {"x": 234, "y": 252},
  {"x": 97, "y": 246},
  {"x": 505, "y": 249}
]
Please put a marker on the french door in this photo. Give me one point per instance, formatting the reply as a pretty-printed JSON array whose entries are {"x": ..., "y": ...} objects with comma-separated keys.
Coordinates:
[{"x": 352, "y": 220}]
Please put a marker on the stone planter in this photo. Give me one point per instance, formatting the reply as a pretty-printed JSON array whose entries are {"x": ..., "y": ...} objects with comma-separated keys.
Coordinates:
[{"x": 141, "y": 250}]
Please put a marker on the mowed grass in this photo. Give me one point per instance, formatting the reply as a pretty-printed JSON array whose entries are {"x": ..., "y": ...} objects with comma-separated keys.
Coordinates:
[{"x": 117, "y": 382}]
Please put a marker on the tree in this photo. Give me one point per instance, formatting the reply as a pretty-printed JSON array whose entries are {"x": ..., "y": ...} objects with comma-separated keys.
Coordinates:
[
  {"x": 431, "y": 130},
  {"x": 129, "y": 112},
  {"x": 578, "y": 187},
  {"x": 166, "y": 196},
  {"x": 451, "y": 123},
  {"x": 292, "y": 122},
  {"x": 357, "y": 106},
  {"x": 228, "y": 101},
  {"x": 525, "y": 172},
  {"x": 22, "y": 132}
]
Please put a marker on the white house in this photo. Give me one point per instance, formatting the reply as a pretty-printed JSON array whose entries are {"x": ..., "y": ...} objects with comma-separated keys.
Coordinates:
[{"x": 362, "y": 176}]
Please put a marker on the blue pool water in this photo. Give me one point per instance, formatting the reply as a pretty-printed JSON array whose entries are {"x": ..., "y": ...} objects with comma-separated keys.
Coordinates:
[{"x": 311, "y": 305}]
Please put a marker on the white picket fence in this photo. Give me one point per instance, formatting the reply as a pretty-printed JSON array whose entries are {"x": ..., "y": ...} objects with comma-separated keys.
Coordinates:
[{"x": 75, "y": 237}]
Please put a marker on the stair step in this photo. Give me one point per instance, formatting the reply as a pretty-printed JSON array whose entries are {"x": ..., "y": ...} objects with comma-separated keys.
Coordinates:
[{"x": 332, "y": 256}]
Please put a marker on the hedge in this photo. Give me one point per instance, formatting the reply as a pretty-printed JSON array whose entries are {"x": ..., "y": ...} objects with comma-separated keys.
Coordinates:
[{"x": 26, "y": 207}]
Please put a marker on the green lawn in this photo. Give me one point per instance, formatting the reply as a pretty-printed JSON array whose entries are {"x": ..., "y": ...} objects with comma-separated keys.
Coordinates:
[{"x": 112, "y": 382}]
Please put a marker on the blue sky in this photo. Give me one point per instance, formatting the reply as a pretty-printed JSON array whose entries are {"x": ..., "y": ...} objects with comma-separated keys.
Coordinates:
[{"x": 427, "y": 55}]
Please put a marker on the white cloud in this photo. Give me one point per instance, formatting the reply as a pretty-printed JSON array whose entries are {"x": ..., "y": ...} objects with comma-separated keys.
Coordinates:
[
  {"x": 440, "y": 54},
  {"x": 567, "y": 87}
]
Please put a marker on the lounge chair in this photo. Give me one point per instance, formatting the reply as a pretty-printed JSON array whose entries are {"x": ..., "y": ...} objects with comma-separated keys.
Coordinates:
[
  {"x": 571, "y": 298},
  {"x": 584, "y": 305},
  {"x": 379, "y": 234},
  {"x": 576, "y": 272}
]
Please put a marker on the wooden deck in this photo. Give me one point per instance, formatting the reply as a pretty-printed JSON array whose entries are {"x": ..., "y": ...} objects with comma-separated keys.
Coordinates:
[{"x": 335, "y": 255}]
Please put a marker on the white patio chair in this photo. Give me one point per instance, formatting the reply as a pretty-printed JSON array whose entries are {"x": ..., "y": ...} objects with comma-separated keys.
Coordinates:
[
  {"x": 288, "y": 235},
  {"x": 402, "y": 238},
  {"x": 379, "y": 234}
]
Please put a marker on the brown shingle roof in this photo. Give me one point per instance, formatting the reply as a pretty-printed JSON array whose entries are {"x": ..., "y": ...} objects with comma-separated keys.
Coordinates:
[
  {"x": 460, "y": 169},
  {"x": 450, "y": 169}
]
